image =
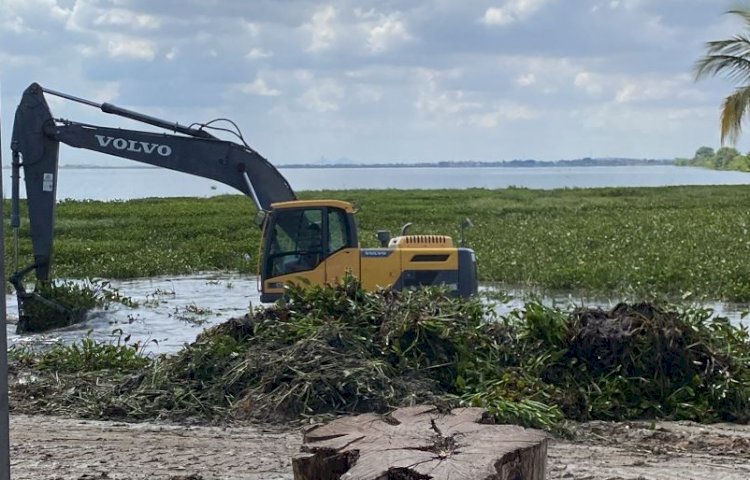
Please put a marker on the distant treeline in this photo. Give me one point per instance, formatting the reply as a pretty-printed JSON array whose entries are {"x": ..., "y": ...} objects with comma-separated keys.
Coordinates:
[
  {"x": 582, "y": 162},
  {"x": 725, "y": 158}
]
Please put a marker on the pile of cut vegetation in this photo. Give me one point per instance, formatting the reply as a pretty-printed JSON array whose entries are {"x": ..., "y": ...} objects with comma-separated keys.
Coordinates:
[
  {"x": 333, "y": 350},
  {"x": 322, "y": 350}
]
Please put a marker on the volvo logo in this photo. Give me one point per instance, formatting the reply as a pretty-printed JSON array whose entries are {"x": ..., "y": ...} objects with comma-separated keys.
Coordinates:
[{"x": 134, "y": 145}]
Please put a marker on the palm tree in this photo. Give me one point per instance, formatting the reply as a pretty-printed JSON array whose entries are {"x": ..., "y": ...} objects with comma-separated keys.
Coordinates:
[{"x": 730, "y": 58}]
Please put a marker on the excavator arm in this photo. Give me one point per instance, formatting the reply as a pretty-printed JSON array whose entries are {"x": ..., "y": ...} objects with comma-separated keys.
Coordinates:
[{"x": 35, "y": 147}]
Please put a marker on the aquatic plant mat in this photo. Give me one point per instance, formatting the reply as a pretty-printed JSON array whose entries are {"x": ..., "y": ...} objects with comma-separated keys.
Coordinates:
[
  {"x": 633, "y": 242},
  {"x": 60, "y": 304},
  {"x": 336, "y": 350}
]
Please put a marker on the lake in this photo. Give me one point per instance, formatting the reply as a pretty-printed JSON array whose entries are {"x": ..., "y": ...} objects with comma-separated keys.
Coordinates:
[
  {"x": 128, "y": 183},
  {"x": 166, "y": 303}
]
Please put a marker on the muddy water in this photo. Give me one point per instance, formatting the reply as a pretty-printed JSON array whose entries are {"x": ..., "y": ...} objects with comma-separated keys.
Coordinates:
[
  {"x": 172, "y": 310},
  {"x": 567, "y": 301}
]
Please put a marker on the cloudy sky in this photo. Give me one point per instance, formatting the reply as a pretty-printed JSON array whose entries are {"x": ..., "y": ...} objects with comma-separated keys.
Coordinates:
[{"x": 385, "y": 80}]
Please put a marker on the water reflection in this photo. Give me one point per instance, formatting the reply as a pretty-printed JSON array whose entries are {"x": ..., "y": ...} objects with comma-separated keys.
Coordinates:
[
  {"x": 173, "y": 310},
  {"x": 124, "y": 183}
]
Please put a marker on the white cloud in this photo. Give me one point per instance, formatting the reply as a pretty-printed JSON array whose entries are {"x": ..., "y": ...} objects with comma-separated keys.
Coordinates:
[
  {"x": 547, "y": 74},
  {"x": 259, "y": 87},
  {"x": 49, "y": 7},
  {"x": 323, "y": 96},
  {"x": 631, "y": 122},
  {"x": 502, "y": 114},
  {"x": 497, "y": 17},
  {"x": 445, "y": 102},
  {"x": 434, "y": 100},
  {"x": 627, "y": 93},
  {"x": 637, "y": 89},
  {"x": 133, "y": 48},
  {"x": 119, "y": 17},
  {"x": 322, "y": 28},
  {"x": 456, "y": 107},
  {"x": 632, "y": 88},
  {"x": 251, "y": 27},
  {"x": 386, "y": 33},
  {"x": 256, "y": 53},
  {"x": 625, "y": 4},
  {"x": 526, "y": 80},
  {"x": 512, "y": 11},
  {"x": 23, "y": 16},
  {"x": 13, "y": 23},
  {"x": 368, "y": 93},
  {"x": 589, "y": 82},
  {"x": 108, "y": 92}
]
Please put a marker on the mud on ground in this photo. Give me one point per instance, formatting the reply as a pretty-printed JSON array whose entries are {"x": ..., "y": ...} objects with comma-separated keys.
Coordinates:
[{"x": 45, "y": 447}]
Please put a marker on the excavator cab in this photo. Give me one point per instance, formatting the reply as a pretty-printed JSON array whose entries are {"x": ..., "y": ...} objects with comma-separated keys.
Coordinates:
[
  {"x": 307, "y": 242},
  {"x": 315, "y": 242}
]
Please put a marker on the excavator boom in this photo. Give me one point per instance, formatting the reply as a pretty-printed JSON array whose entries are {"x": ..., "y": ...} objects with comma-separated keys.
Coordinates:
[
  {"x": 311, "y": 242},
  {"x": 35, "y": 145}
]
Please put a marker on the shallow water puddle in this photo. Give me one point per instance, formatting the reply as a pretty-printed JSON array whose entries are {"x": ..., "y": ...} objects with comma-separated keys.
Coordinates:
[
  {"x": 514, "y": 298},
  {"x": 171, "y": 311}
]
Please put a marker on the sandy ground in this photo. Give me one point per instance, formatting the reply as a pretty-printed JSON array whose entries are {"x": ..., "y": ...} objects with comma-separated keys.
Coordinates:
[{"x": 60, "y": 448}]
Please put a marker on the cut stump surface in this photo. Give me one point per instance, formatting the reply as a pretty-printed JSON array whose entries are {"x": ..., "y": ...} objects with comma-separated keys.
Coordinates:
[{"x": 419, "y": 443}]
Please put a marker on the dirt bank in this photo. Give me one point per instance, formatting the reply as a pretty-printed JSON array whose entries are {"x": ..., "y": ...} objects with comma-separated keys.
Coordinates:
[{"x": 61, "y": 448}]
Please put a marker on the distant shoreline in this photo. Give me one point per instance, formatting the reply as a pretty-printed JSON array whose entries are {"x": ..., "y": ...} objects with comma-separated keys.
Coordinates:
[
  {"x": 586, "y": 162},
  {"x": 615, "y": 162}
]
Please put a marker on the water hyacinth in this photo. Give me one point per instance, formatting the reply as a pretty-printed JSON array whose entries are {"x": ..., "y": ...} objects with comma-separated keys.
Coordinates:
[
  {"x": 625, "y": 242},
  {"x": 336, "y": 350}
]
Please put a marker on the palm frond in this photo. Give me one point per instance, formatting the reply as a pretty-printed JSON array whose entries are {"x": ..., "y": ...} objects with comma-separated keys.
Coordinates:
[
  {"x": 734, "y": 68},
  {"x": 743, "y": 13},
  {"x": 729, "y": 57},
  {"x": 736, "y": 45},
  {"x": 732, "y": 114}
]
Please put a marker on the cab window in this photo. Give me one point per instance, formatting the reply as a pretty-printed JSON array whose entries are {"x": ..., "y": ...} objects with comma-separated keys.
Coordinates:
[
  {"x": 337, "y": 231},
  {"x": 296, "y": 242}
]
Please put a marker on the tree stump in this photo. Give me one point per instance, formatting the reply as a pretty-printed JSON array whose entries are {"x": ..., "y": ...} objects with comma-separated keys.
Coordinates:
[{"x": 419, "y": 443}]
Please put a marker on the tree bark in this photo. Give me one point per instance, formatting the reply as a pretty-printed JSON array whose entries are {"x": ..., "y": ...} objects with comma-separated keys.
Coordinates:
[{"x": 419, "y": 443}]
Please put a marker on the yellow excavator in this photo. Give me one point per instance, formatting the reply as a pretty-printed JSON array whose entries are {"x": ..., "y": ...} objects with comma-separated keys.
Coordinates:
[{"x": 304, "y": 241}]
